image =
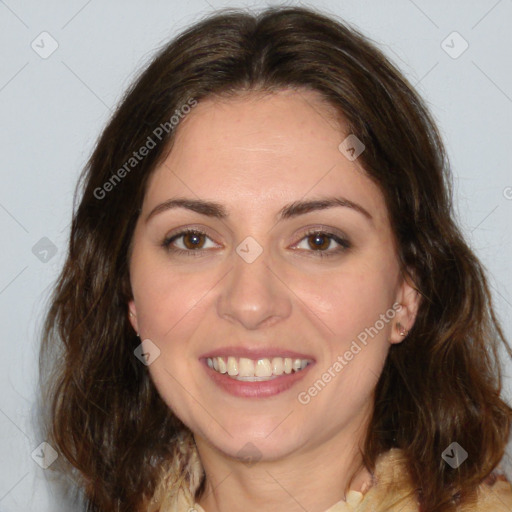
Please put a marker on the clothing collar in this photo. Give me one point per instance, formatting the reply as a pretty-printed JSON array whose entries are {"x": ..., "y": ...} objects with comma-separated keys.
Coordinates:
[{"x": 392, "y": 491}]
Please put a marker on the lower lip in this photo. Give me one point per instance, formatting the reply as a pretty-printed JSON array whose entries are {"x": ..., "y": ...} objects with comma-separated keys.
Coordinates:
[{"x": 261, "y": 389}]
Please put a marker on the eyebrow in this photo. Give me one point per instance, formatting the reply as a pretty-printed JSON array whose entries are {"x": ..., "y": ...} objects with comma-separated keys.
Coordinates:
[{"x": 216, "y": 210}]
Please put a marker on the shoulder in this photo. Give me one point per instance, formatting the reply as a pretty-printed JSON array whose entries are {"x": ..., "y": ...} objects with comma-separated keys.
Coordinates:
[
  {"x": 494, "y": 494},
  {"x": 393, "y": 488}
]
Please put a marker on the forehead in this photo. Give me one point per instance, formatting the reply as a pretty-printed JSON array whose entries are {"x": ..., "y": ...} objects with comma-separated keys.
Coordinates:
[
  {"x": 278, "y": 147},
  {"x": 265, "y": 129}
]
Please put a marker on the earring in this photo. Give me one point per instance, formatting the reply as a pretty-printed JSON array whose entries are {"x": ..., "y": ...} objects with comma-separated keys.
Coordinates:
[
  {"x": 132, "y": 315},
  {"x": 401, "y": 329}
]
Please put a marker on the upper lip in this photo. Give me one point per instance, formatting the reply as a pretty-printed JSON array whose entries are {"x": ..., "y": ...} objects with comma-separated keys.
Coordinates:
[{"x": 255, "y": 353}]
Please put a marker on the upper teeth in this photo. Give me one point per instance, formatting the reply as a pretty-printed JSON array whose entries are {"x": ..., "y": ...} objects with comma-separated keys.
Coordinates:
[{"x": 244, "y": 367}]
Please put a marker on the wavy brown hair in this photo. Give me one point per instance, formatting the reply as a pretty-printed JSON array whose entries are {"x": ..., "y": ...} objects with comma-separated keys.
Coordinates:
[{"x": 101, "y": 409}]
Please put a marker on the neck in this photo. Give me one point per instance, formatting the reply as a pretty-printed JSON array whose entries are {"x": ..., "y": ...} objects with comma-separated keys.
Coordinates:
[{"x": 312, "y": 479}]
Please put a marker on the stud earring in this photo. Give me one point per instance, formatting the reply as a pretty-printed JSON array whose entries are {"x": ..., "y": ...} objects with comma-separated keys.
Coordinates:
[
  {"x": 401, "y": 329},
  {"x": 133, "y": 316}
]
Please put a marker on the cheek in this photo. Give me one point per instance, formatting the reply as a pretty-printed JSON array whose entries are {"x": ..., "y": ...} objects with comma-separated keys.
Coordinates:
[
  {"x": 170, "y": 308},
  {"x": 355, "y": 346},
  {"x": 165, "y": 297},
  {"x": 351, "y": 300}
]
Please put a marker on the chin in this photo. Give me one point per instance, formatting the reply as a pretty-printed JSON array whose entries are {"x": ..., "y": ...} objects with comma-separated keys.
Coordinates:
[
  {"x": 252, "y": 450},
  {"x": 257, "y": 440}
]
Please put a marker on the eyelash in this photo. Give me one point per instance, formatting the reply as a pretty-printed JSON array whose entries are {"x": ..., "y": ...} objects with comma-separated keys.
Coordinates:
[
  {"x": 343, "y": 243},
  {"x": 169, "y": 240}
]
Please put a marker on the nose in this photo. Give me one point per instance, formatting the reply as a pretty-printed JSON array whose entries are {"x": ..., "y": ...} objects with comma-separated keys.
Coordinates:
[{"x": 254, "y": 294}]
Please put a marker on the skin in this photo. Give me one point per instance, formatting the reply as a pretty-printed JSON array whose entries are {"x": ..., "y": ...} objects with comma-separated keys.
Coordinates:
[{"x": 254, "y": 154}]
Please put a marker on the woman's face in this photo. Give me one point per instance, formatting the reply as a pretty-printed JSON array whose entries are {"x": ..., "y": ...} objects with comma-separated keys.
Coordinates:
[{"x": 270, "y": 280}]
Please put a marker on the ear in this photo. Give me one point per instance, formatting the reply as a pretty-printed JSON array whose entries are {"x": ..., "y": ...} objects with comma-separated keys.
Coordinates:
[
  {"x": 132, "y": 316},
  {"x": 407, "y": 303}
]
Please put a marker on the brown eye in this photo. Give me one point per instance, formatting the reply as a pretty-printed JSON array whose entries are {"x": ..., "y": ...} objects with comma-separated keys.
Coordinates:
[
  {"x": 193, "y": 240},
  {"x": 319, "y": 241},
  {"x": 190, "y": 242},
  {"x": 323, "y": 243}
]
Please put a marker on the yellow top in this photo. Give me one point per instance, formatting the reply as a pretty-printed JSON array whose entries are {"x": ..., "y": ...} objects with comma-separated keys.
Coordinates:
[
  {"x": 392, "y": 491},
  {"x": 354, "y": 498}
]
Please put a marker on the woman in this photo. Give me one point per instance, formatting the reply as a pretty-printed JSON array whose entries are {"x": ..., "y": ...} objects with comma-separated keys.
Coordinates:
[{"x": 266, "y": 303}]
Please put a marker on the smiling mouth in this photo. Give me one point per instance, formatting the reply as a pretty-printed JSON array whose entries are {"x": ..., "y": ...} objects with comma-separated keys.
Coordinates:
[{"x": 256, "y": 370}]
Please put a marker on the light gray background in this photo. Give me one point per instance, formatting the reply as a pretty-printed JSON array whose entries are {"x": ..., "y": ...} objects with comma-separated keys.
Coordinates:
[{"x": 52, "y": 110}]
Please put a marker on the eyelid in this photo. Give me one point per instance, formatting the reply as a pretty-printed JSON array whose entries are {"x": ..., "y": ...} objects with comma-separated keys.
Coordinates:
[
  {"x": 176, "y": 234},
  {"x": 333, "y": 234},
  {"x": 326, "y": 230},
  {"x": 183, "y": 230}
]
